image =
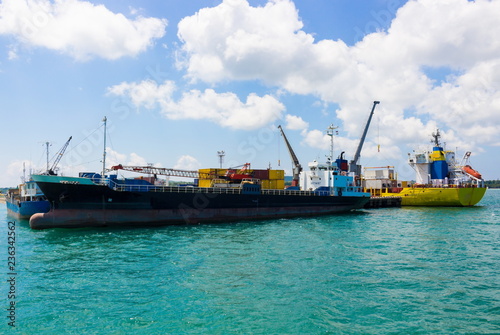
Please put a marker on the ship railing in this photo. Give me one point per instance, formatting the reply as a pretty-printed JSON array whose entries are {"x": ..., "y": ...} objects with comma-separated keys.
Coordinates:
[
  {"x": 287, "y": 192},
  {"x": 191, "y": 189},
  {"x": 173, "y": 189}
]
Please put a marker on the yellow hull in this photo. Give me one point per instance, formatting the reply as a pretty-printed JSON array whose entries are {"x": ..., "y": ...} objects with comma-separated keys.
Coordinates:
[{"x": 439, "y": 196}]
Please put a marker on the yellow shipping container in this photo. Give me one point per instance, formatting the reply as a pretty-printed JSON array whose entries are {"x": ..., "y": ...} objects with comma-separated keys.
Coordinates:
[
  {"x": 204, "y": 182},
  {"x": 204, "y": 173},
  {"x": 273, "y": 184},
  {"x": 221, "y": 172},
  {"x": 264, "y": 184},
  {"x": 276, "y": 174},
  {"x": 211, "y": 173}
]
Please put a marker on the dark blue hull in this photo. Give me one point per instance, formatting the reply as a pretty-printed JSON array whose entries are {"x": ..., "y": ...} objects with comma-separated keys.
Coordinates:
[
  {"x": 82, "y": 205},
  {"x": 25, "y": 209}
]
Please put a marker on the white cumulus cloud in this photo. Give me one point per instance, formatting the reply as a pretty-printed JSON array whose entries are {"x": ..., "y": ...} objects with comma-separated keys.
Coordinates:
[
  {"x": 187, "y": 162},
  {"x": 295, "y": 122},
  {"x": 224, "y": 109},
  {"x": 235, "y": 41},
  {"x": 78, "y": 28}
]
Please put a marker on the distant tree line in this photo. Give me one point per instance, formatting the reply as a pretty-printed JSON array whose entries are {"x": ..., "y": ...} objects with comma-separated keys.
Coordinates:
[{"x": 492, "y": 183}]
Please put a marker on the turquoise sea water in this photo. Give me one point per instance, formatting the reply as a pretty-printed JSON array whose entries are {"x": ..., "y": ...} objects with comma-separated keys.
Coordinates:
[{"x": 382, "y": 271}]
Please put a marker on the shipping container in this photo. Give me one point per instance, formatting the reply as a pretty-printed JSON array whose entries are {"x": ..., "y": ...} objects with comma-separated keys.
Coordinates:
[
  {"x": 261, "y": 174},
  {"x": 211, "y": 173},
  {"x": 204, "y": 182},
  {"x": 276, "y": 174},
  {"x": 276, "y": 184}
]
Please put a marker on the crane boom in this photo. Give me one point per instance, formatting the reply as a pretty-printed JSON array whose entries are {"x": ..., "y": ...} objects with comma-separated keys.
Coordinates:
[
  {"x": 161, "y": 171},
  {"x": 297, "y": 168},
  {"x": 354, "y": 167},
  {"x": 59, "y": 155}
]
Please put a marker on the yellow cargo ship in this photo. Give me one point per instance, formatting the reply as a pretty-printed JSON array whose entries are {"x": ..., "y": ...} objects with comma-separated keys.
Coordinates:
[
  {"x": 438, "y": 196},
  {"x": 440, "y": 180}
]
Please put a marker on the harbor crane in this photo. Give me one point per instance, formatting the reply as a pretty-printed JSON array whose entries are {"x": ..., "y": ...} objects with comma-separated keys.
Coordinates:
[
  {"x": 297, "y": 168},
  {"x": 353, "y": 166},
  {"x": 51, "y": 170}
]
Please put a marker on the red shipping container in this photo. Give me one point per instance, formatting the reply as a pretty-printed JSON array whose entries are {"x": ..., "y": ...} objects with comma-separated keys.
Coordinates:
[{"x": 261, "y": 174}]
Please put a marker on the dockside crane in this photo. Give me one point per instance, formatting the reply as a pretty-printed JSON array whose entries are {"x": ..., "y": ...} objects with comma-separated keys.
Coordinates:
[
  {"x": 297, "y": 168},
  {"x": 51, "y": 170},
  {"x": 353, "y": 166}
]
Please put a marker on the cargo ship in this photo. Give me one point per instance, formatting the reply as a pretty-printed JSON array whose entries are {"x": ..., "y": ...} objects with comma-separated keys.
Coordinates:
[
  {"x": 27, "y": 199},
  {"x": 92, "y": 200},
  {"x": 440, "y": 180},
  {"x": 217, "y": 195},
  {"x": 24, "y": 201}
]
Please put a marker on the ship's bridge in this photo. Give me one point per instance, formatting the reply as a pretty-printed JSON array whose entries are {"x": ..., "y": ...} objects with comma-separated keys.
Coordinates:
[{"x": 326, "y": 176}]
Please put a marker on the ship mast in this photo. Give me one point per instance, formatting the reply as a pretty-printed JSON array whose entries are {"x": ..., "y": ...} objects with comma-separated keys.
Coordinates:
[
  {"x": 330, "y": 132},
  {"x": 436, "y": 136},
  {"x": 104, "y": 151},
  {"x": 48, "y": 144},
  {"x": 221, "y": 155}
]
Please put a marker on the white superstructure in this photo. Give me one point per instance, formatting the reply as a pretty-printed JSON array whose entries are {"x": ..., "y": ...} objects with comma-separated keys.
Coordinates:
[{"x": 328, "y": 178}]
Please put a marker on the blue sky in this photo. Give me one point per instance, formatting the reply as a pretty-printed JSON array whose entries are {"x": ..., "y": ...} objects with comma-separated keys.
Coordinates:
[{"x": 180, "y": 80}]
